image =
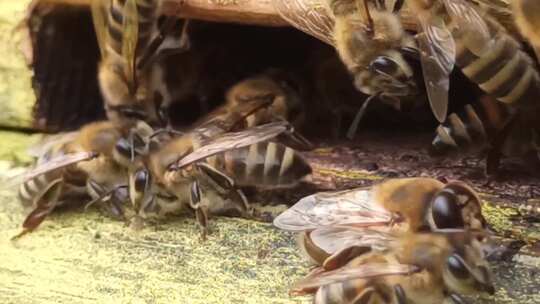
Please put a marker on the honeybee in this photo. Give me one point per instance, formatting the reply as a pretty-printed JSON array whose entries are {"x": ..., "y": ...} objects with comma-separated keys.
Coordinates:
[
  {"x": 409, "y": 268},
  {"x": 456, "y": 32},
  {"x": 527, "y": 18},
  {"x": 472, "y": 128},
  {"x": 94, "y": 161},
  {"x": 204, "y": 168},
  {"x": 276, "y": 85},
  {"x": 369, "y": 39},
  {"x": 408, "y": 204},
  {"x": 129, "y": 40}
]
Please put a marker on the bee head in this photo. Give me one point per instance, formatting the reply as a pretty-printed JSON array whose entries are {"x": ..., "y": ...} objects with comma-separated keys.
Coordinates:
[
  {"x": 391, "y": 75},
  {"x": 456, "y": 206},
  {"x": 468, "y": 272}
]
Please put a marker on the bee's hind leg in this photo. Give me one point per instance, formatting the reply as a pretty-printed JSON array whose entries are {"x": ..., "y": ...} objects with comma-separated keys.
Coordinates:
[
  {"x": 228, "y": 186},
  {"x": 201, "y": 211}
]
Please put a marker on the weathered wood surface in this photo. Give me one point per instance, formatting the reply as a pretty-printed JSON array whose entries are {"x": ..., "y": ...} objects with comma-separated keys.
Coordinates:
[
  {"x": 16, "y": 95},
  {"x": 77, "y": 257}
]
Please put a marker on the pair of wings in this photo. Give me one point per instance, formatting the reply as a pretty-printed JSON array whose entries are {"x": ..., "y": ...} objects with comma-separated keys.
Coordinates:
[
  {"x": 436, "y": 43},
  {"x": 215, "y": 135},
  {"x": 340, "y": 220},
  {"x": 130, "y": 31}
]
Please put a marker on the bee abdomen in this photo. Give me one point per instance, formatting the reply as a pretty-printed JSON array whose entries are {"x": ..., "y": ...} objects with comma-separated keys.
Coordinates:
[
  {"x": 33, "y": 189},
  {"x": 504, "y": 71},
  {"x": 468, "y": 129},
  {"x": 266, "y": 163}
]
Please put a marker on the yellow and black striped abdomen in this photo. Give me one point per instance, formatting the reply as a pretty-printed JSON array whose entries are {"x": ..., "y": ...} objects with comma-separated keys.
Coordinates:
[
  {"x": 262, "y": 164},
  {"x": 504, "y": 70},
  {"x": 471, "y": 129},
  {"x": 146, "y": 17},
  {"x": 31, "y": 190}
]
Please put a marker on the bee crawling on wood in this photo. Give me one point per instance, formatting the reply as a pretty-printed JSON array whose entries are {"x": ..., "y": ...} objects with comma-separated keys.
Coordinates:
[
  {"x": 435, "y": 267},
  {"x": 205, "y": 167},
  {"x": 409, "y": 204},
  {"x": 93, "y": 161}
]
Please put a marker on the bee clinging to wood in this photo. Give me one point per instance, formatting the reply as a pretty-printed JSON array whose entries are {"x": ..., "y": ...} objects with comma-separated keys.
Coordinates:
[
  {"x": 369, "y": 39},
  {"x": 409, "y": 204},
  {"x": 410, "y": 268},
  {"x": 129, "y": 40}
]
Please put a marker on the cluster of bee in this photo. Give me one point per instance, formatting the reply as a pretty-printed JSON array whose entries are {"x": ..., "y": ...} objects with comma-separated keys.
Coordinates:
[
  {"x": 412, "y": 240},
  {"x": 464, "y": 34},
  {"x": 136, "y": 159}
]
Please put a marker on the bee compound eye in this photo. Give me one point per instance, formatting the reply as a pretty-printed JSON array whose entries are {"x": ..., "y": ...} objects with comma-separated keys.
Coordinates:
[
  {"x": 384, "y": 65},
  {"x": 457, "y": 267},
  {"x": 446, "y": 211},
  {"x": 124, "y": 147},
  {"x": 142, "y": 180}
]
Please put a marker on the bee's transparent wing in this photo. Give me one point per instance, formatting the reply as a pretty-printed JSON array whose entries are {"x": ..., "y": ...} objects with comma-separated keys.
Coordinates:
[
  {"x": 438, "y": 56},
  {"x": 99, "y": 18},
  {"x": 335, "y": 238},
  {"x": 310, "y": 16},
  {"x": 469, "y": 23},
  {"x": 350, "y": 207},
  {"x": 53, "y": 164},
  {"x": 130, "y": 37},
  {"x": 42, "y": 150},
  {"x": 363, "y": 271},
  {"x": 233, "y": 140}
]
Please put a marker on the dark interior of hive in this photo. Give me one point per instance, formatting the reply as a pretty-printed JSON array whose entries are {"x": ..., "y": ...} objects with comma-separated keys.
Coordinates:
[{"x": 66, "y": 57}]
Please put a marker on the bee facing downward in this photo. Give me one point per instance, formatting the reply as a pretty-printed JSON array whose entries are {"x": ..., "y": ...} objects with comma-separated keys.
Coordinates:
[{"x": 127, "y": 32}]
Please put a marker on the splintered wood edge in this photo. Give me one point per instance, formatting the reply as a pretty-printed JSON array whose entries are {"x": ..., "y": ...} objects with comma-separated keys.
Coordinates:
[{"x": 250, "y": 12}]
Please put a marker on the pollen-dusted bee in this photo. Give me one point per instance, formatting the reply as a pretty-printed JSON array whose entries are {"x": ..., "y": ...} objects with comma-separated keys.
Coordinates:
[
  {"x": 410, "y": 204},
  {"x": 527, "y": 18},
  {"x": 129, "y": 40},
  {"x": 369, "y": 38},
  {"x": 204, "y": 168},
  {"x": 398, "y": 268}
]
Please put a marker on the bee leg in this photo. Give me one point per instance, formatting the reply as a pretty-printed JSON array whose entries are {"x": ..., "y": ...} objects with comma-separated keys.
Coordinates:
[
  {"x": 354, "y": 125},
  {"x": 227, "y": 184},
  {"x": 44, "y": 206},
  {"x": 365, "y": 297},
  {"x": 456, "y": 299},
  {"x": 400, "y": 294},
  {"x": 201, "y": 211},
  {"x": 114, "y": 197},
  {"x": 494, "y": 155}
]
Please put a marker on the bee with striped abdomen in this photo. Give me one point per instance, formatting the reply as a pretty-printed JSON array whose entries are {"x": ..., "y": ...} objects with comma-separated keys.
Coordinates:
[
  {"x": 205, "y": 167},
  {"x": 93, "y": 161},
  {"x": 397, "y": 268},
  {"x": 127, "y": 32},
  {"x": 458, "y": 32}
]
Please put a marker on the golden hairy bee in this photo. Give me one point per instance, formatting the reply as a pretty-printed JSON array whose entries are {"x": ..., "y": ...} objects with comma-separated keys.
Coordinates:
[
  {"x": 464, "y": 34},
  {"x": 409, "y": 204},
  {"x": 369, "y": 39},
  {"x": 205, "y": 167},
  {"x": 92, "y": 161},
  {"x": 130, "y": 43},
  {"x": 384, "y": 267}
]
